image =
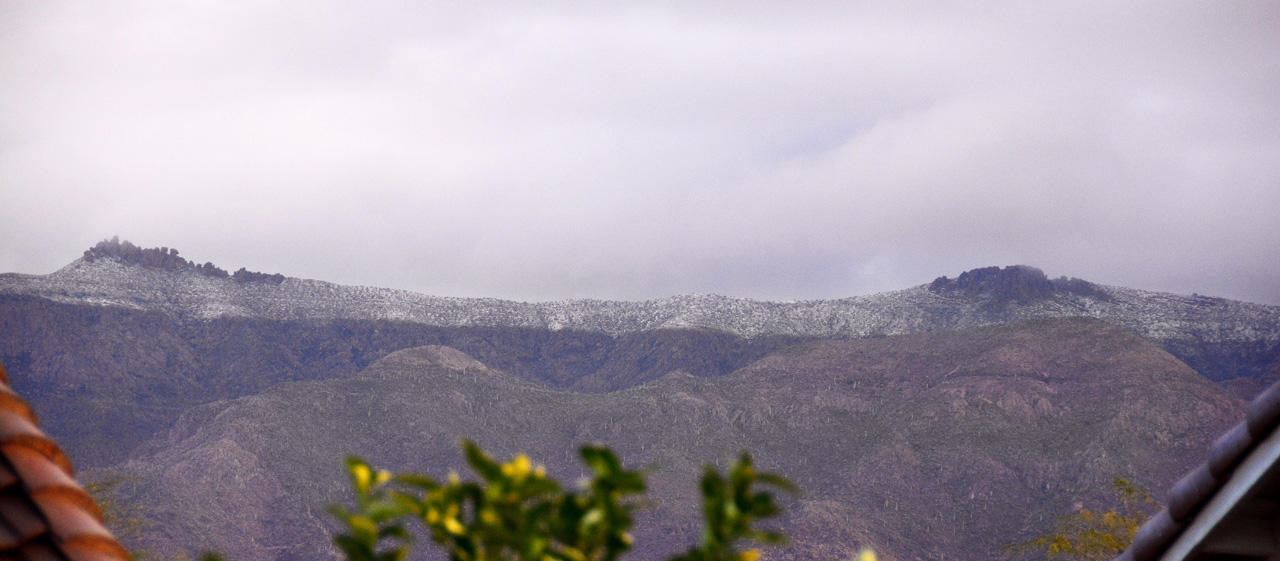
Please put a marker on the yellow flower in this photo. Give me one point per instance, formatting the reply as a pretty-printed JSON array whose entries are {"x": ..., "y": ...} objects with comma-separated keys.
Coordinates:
[
  {"x": 867, "y": 555},
  {"x": 454, "y": 527},
  {"x": 518, "y": 468},
  {"x": 362, "y": 475}
]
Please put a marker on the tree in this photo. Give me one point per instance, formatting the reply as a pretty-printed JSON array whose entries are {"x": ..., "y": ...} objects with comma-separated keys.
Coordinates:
[
  {"x": 516, "y": 512},
  {"x": 1089, "y": 535}
]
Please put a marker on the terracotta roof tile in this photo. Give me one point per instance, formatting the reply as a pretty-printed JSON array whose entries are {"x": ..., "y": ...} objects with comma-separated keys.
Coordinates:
[
  {"x": 77, "y": 527},
  {"x": 39, "y": 552},
  {"x": 44, "y": 514},
  {"x": 19, "y": 431},
  {"x": 33, "y": 469},
  {"x": 9, "y": 401},
  {"x": 8, "y": 539},
  {"x": 7, "y": 477},
  {"x": 21, "y": 518},
  {"x": 1190, "y": 493},
  {"x": 89, "y": 555}
]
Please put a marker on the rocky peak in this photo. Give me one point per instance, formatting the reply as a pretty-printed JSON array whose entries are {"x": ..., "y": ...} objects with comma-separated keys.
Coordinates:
[
  {"x": 1017, "y": 283},
  {"x": 167, "y": 259}
]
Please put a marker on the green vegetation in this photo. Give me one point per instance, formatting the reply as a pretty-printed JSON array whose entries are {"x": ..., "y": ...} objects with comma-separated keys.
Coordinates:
[
  {"x": 517, "y": 512},
  {"x": 1089, "y": 535},
  {"x": 959, "y": 438}
]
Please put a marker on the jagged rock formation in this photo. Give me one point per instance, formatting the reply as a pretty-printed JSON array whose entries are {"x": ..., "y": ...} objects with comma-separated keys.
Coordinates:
[
  {"x": 1019, "y": 283},
  {"x": 166, "y": 259}
]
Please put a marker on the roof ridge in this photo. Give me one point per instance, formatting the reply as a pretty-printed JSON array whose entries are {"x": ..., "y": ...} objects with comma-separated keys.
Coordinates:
[
  {"x": 44, "y": 513},
  {"x": 1193, "y": 490}
]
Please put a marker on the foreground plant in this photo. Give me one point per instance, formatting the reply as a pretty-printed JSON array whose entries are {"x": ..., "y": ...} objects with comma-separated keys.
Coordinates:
[
  {"x": 516, "y": 512},
  {"x": 729, "y": 506}
]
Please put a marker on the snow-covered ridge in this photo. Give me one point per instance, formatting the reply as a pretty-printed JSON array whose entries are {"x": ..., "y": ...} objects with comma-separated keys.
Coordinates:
[{"x": 190, "y": 296}]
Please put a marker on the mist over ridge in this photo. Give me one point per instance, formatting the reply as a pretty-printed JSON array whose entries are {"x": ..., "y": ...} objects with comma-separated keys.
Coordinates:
[{"x": 634, "y": 152}]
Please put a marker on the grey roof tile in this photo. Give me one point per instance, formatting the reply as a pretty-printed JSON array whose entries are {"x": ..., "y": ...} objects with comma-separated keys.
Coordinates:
[
  {"x": 1152, "y": 536},
  {"x": 1263, "y": 412},
  {"x": 1190, "y": 493},
  {"x": 1227, "y": 451}
]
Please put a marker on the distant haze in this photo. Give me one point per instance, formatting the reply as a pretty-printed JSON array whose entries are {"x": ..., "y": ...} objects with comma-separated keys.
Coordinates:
[{"x": 629, "y": 151}]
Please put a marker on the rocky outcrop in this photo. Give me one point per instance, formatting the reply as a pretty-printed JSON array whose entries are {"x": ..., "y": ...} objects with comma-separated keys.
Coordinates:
[
  {"x": 167, "y": 259},
  {"x": 1017, "y": 283}
]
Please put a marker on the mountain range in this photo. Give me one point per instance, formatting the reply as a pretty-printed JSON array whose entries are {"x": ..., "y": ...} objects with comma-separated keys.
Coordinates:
[
  {"x": 928, "y": 446},
  {"x": 931, "y": 422}
]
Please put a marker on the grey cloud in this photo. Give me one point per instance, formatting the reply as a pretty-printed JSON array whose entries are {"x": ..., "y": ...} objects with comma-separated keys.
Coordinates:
[{"x": 628, "y": 151}]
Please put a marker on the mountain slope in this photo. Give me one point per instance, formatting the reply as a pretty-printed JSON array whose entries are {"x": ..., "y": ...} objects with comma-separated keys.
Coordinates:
[
  {"x": 920, "y": 445},
  {"x": 113, "y": 347},
  {"x": 1222, "y": 339},
  {"x": 106, "y": 378}
]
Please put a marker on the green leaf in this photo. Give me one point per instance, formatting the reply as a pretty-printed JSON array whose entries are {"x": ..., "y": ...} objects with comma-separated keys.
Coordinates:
[
  {"x": 416, "y": 480},
  {"x": 354, "y": 550},
  {"x": 487, "y": 468}
]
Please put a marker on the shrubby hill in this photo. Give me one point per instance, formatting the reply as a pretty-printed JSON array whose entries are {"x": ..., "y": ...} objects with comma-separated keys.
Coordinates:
[
  {"x": 106, "y": 378},
  {"x": 924, "y": 446}
]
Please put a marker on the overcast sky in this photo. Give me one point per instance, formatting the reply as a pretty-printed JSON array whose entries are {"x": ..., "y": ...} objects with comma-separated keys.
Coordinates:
[{"x": 632, "y": 151}]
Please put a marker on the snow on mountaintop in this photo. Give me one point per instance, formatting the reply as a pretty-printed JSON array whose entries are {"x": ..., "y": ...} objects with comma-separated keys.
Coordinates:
[{"x": 979, "y": 297}]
